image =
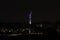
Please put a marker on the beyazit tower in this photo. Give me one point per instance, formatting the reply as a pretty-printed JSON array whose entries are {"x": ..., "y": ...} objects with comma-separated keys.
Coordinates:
[
  {"x": 30, "y": 22},
  {"x": 30, "y": 17}
]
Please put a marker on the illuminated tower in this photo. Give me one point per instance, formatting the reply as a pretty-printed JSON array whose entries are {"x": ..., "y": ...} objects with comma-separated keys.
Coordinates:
[{"x": 30, "y": 16}]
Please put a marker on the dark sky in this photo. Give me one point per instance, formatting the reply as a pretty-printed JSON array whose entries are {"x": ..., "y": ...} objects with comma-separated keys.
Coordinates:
[
  {"x": 15, "y": 12},
  {"x": 45, "y": 11},
  {"x": 51, "y": 17}
]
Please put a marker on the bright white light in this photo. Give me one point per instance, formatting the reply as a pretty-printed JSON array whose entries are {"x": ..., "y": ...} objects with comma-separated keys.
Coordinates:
[
  {"x": 30, "y": 22},
  {"x": 41, "y": 25}
]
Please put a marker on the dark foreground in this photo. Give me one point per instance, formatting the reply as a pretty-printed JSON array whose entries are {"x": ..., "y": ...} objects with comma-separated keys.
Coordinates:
[{"x": 30, "y": 37}]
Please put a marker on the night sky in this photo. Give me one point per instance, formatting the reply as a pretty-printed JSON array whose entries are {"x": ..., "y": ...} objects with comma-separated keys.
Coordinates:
[
  {"x": 51, "y": 17},
  {"x": 18, "y": 12},
  {"x": 15, "y": 12}
]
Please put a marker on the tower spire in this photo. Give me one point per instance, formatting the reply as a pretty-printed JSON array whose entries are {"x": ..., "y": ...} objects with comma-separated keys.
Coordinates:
[{"x": 30, "y": 16}]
